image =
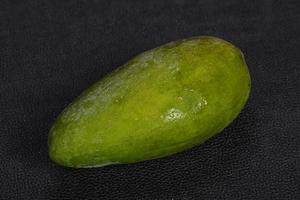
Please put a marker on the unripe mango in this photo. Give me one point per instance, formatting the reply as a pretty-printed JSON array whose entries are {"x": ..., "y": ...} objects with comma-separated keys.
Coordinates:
[{"x": 161, "y": 102}]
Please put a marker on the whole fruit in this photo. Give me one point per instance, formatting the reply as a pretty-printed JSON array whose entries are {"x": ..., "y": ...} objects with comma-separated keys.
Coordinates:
[{"x": 161, "y": 102}]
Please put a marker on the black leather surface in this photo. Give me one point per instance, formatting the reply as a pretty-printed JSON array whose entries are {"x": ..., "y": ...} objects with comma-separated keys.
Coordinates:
[{"x": 50, "y": 51}]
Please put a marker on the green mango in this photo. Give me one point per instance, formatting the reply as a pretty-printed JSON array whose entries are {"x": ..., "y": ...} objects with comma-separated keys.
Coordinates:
[{"x": 161, "y": 102}]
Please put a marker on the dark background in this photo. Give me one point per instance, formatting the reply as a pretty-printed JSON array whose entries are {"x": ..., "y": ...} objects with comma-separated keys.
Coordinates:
[{"x": 50, "y": 51}]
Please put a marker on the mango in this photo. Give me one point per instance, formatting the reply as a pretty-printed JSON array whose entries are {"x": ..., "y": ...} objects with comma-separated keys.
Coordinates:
[{"x": 161, "y": 102}]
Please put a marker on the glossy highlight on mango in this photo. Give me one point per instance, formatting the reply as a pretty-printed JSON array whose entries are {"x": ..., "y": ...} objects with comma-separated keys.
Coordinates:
[{"x": 161, "y": 102}]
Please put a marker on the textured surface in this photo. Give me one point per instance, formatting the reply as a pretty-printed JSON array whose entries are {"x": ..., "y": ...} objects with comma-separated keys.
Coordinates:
[
  {"x": 161, "y": 102},
  {"x": 50, "y": 51}
]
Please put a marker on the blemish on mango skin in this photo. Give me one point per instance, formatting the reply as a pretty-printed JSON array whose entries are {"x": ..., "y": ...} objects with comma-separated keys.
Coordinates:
[
  {"x": 161, "y": 102},
  {"x": 173, "y": 114}
]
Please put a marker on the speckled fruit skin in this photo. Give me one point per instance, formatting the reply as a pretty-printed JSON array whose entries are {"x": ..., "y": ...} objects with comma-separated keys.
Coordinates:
[{"x": 161, "y": 102}]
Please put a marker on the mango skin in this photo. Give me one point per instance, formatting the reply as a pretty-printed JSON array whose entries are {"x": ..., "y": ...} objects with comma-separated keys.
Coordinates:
[{"x": 161, "y": 102}]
